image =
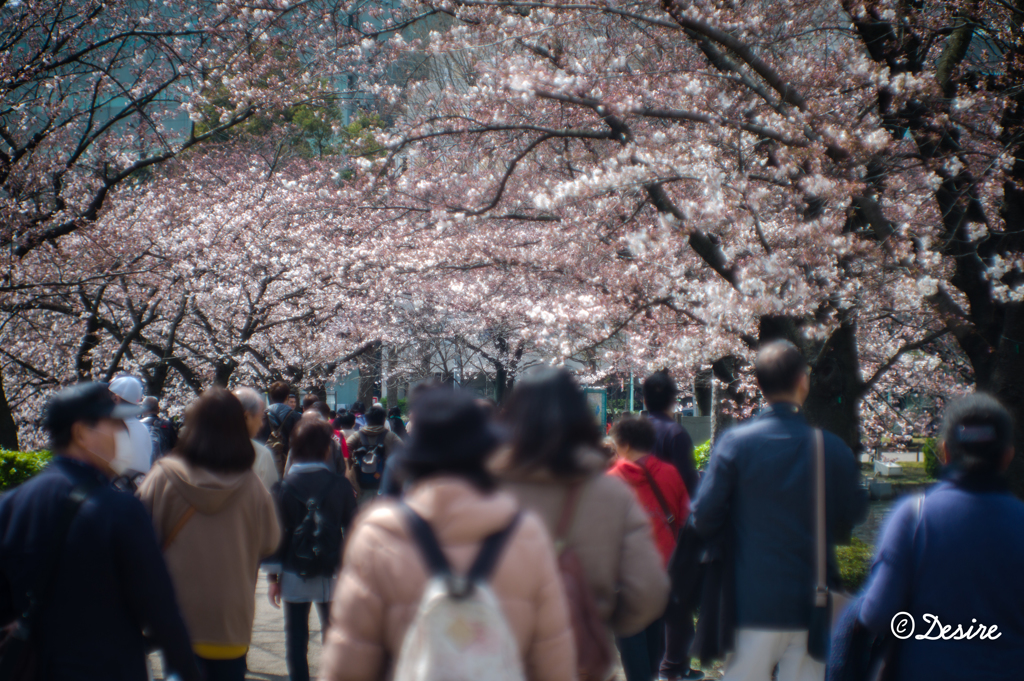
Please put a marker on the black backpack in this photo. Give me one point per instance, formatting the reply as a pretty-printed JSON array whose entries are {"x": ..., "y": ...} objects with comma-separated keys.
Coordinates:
[
  {"x": 369, "y": 461},
  {"x": 315, "y": 547}
]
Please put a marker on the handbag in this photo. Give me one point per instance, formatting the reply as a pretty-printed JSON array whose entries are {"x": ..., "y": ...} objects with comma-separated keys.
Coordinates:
[
  {"x": 829, "y": 604},
  {"x": 19, "y": 657}
]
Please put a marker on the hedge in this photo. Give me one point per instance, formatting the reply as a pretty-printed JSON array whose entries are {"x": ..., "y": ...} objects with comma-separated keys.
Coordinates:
[
  {"x": 701, "y": 455},
  {"x": 17, "y": 467},
  {"x": 854, "y": 563}
]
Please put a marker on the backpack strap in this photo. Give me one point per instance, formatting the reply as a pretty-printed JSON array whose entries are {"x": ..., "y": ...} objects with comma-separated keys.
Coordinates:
[
  {"x": 487, "y": 559},
  {"x": 670, "y": 517},
  {"x": 425, "y": 538},
  {"x": 438, "y": 564}
]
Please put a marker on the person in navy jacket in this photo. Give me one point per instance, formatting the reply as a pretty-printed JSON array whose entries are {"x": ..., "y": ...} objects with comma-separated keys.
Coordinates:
[
  {"x": 110, "y": 588},
  {"x": 946, "y": 584},
  {"x": 759, "y": 489}
]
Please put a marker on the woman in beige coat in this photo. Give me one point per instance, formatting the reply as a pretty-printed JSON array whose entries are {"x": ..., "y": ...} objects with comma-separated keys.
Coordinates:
[
  {"x": 216, "y": 521},
  {"x": 384, "y": 574},
  {"x": 555, "y": 448}
]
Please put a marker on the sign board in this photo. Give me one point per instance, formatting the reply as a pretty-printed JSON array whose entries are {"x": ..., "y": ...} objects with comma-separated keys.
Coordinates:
[{"x": 597, "y": 399}]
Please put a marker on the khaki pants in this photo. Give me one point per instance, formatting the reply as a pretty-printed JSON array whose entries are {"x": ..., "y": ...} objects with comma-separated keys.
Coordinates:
[{"x": 759, "y": 650}]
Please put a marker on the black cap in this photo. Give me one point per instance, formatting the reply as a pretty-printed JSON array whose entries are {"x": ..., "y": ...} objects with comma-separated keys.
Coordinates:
[
  {"x": 450, "y": 429},
  {"x": 84, "y": 402}
]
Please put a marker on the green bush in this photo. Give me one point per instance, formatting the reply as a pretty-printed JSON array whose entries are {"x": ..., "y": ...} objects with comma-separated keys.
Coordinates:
[
  {"x": 854, "y": 563},
  {"x": 932, "y": 465},
  {"x": 702, "y": 454},
  {"x": 17, "y": 467}
]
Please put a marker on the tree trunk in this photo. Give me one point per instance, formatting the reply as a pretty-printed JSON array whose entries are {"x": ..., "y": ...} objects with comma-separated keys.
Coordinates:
[
  {"x": 836, "y": 385},
  {"x": 8, "y": 428},
  {"x": 1006, "y": 383}
]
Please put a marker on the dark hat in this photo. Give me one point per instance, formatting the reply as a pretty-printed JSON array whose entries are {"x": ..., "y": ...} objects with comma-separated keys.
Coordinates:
[
  {"x": 450, "y": 429},
  {"x": 84, "y": 402}
]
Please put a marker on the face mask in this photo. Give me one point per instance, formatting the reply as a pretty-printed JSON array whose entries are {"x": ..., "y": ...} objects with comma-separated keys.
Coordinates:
[{"x": 122, "y": 452}]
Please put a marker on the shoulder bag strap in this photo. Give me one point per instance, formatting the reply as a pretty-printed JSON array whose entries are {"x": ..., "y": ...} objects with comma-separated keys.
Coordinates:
[
  {"x": 182, "y": 521},
  {"x": 48, "y": 575},
  {"x": 487, "y": 559},
  {"x": 821, "y": 586},
  {"x": 670, "y": 517},
  {"x": 572, "y": 500},
  {"x": 426, "y": 540}
]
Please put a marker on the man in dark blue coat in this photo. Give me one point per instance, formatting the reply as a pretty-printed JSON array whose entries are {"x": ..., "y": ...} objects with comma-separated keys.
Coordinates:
[
  {"x": 759, "y": 489},
  {"x": 101, "y": 586}
]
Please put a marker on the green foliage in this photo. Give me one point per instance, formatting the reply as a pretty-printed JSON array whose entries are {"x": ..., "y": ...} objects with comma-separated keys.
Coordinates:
[
  {"x": 854, "y": 563},
  {"x": 932, "y": 465},
  {"x": 702, "y": 454},
  {"x": 17, "y": 467},
  {"x": 402, "y": 404}
]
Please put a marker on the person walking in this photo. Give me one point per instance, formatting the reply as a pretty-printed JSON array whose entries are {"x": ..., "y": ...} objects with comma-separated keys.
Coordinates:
[
  {"x": 281, "y": 419},
  {"x": 370, "y": 448},
  {"x": 264, "y": 466},
  {"x": 555, "y": 468},
  {"x": 759, "y": 490},
  {"x": 395, "y": 423},
  {"x": 80, "y": 567},
  {"x": 954, "y": 559},
  {"x": 128, "y": 390},
  {"x": 661, "y": 492},
  {"x": 163, "y": 432},
  {"x": 316, "y": 506},
  {"x": 216, "y": 522},
  {"x": 673, "y": 445},
  {"x": 452, "y": 492}
]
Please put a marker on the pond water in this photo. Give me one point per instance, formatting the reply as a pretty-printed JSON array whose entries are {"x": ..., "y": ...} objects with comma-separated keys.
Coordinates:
[{"x": 878, "y": 512}]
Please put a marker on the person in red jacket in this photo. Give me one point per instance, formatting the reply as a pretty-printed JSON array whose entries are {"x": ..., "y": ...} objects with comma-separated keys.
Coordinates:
[{"x": 661, "y": 492}]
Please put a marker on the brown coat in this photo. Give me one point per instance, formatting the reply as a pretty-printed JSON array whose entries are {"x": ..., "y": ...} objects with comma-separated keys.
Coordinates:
[
  {"x": 610, "y": 533},
  {"x": 214, "y": 558},
  {"x": 383, "y": 578}
]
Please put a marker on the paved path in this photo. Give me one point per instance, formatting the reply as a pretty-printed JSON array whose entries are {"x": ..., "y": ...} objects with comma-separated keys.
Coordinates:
[{"x": 266, "y": 654}]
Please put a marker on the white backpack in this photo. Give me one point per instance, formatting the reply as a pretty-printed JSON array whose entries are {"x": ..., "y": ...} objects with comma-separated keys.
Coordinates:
[{"x": 460, "y": 632}]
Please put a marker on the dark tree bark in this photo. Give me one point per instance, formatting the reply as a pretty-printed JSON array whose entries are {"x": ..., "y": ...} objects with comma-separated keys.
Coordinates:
[
  {"x": 8, "y": 428},
  {"x": 836, "y": 386}
]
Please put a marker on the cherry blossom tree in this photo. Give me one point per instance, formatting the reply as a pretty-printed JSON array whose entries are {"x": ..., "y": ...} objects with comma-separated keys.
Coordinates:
[{"x": 843, "y": 174}]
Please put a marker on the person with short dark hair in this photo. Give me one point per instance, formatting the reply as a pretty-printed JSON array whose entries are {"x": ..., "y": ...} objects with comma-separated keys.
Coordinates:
[
  {"x": 758, "y": 492},
  {"x": 554, "y": 467},
  {"x": 662, "y": 493},
  {"x": 310, "y": 483},
  {"x": 370, "y": 448},
  {"x": 217, "y": 522},
  {"x": 346, "y": 423},
  {"x": 395, "y": 423},
  {"x": 956, "y": 555},
  {"x": 163, "y": 432},
  {"x": 453, "y": 494},
  {"x": 87, "y": 555},
  {"x": 673, "y": 442},
  {"x": 674, "y": 445},
  {"x": 310, "y": 401},
  {"x": 281, "y": 419},
  {"x": 359, "y": 411}
]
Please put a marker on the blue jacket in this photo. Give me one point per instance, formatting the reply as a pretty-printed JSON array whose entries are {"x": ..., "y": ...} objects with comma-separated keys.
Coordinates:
[
  {"x": 674, "y": 445},
  {"x": 961, "y": 559},
  {"x": 110, "y": 586},
  {"x": 758, "y": 488}
]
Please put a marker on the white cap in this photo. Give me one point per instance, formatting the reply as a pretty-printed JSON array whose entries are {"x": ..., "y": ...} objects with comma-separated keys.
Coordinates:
[{"x": 128, "y": 388}]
